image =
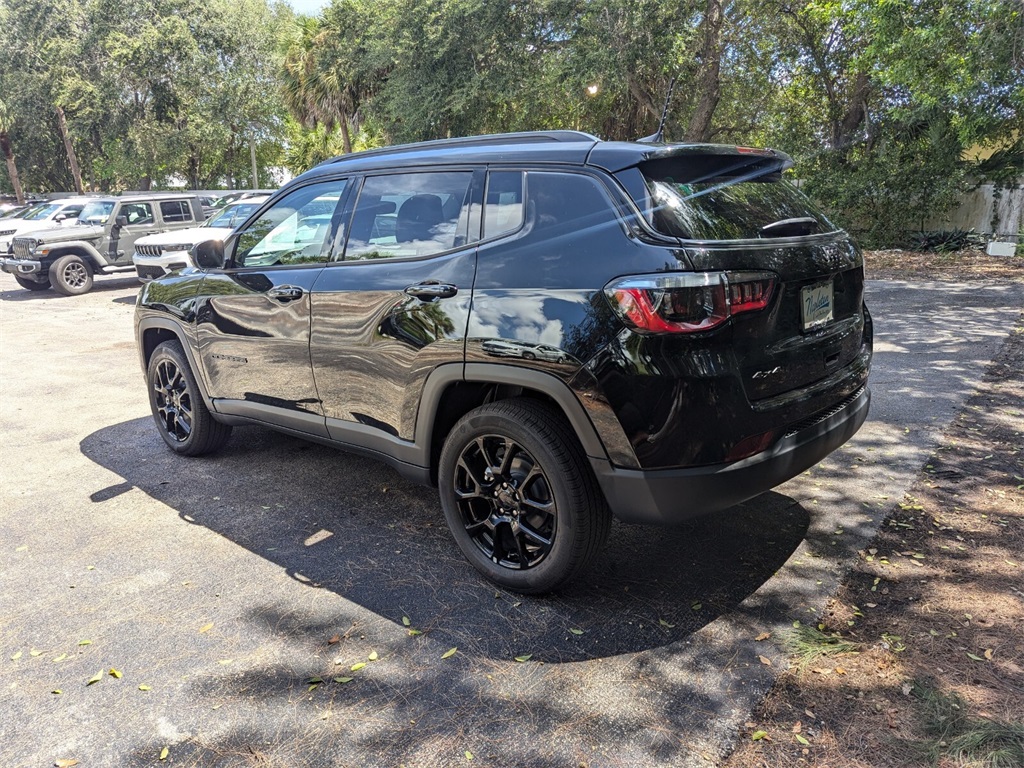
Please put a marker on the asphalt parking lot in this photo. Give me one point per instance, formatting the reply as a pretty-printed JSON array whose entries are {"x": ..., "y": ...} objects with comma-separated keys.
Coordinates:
[{"x": 215, "y": 586}]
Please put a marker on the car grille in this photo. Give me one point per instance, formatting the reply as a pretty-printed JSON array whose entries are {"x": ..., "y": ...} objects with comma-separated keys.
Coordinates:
[
  {"x": 149, "y": 273},
  {"x": 22, "y": 248},
  {"x": 148, "y": 250}
]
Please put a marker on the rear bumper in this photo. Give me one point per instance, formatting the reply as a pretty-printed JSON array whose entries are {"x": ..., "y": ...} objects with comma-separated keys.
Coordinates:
[{"x": 670, "y": 496}]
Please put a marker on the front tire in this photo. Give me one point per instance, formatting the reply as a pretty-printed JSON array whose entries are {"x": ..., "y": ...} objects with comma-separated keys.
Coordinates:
[
  {"x": 520, "y": 497},
  {"x": 32, "y": 285},
  {"x": 71, "y": 275},
  {"x": 181, "y": 416}
]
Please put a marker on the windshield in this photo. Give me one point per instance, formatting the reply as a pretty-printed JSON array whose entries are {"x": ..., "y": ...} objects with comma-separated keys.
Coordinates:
[
  {"x": 96, "y": 212},
  {"x": 233, "y": 215},
  {"x": 41, "y": 211}
]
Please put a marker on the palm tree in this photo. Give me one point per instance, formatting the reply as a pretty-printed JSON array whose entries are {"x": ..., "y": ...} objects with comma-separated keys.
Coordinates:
[{"x": 316, "y": 92}]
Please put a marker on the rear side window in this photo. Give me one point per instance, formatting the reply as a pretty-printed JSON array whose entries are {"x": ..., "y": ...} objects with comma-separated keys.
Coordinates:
[
  {"x": 175, "y": 211},
  {"x": 727, "y": 198},
  {"x": 410, "y": 215},
  {"x": 504, "y": 208}
]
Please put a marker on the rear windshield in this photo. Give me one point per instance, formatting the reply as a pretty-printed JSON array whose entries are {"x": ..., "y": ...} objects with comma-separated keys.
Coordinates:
[{"x": 738, "y": 206}]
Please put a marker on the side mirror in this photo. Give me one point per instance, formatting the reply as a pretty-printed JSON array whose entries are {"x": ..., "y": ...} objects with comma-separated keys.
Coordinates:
[
  {"x": 59, "y": 218},
  {"x": 208, "y": 254},
  {"x": 121, "y": 221}
]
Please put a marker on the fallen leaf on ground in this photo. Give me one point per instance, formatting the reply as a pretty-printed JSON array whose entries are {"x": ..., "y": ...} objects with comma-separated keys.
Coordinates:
[
  {"x": 335, "y": 639},
  {"x": 164, "y": 753},
  {"x": 206, "y": 628},
  {"x": 450, "y": 652},
  {"x": 357, "y": 666},
  {"x": 665, "y": 623},
  {"x": 524, "y": 657},
  {"x": 407, "y": 621},
  {"x": 65, "y": 762},
  {"x": 343, "y": 679},
  {"x": 95, "y": 678},
  {"x": 762, "y": 636},
  {"x": 373, "y": 656},
  {"x": 115, "y": 673},
  {"x": 758, "y": 735},
  {"x": 576, "y": 631},
  {"x": 765, "y": 660}
]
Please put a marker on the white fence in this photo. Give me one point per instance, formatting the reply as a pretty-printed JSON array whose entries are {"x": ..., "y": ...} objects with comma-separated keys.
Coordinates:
[{"x": 990, "y": 209}]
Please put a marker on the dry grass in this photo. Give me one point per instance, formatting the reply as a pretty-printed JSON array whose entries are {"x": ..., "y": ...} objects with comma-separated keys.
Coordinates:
[
  {"x": 959, "y": 265},
  {"x": 935, "y": 605}
]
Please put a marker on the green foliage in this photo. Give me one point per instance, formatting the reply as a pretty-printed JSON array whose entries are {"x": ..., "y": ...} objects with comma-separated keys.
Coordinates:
[
  {"x": 946, "y": 240},
  {"x": 879, "y": 102}
]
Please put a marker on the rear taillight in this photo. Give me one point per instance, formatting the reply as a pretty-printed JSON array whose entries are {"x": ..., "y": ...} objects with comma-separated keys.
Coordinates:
[{"x": 689, "y": 302}]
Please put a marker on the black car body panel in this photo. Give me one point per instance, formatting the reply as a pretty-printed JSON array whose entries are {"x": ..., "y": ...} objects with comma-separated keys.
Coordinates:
[{"x": 383, "y": 353}]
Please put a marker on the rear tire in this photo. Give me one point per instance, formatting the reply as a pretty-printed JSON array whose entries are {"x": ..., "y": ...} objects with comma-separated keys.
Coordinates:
[
  {"x": 32, "y": 285},
  {"x": 520, "y": 497},
  {"x": 71, "y": 275},
  {"x": 182, "y": 418}
]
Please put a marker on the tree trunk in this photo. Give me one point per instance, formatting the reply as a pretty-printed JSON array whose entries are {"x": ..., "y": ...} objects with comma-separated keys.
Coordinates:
[
  {"x": 145, "y": 184},
  {"x": 346, "y": 140},
  {"x": 12, "y": 168},
  {"x": 76, "y": 172},
  {"x": 709, "y": 85}
]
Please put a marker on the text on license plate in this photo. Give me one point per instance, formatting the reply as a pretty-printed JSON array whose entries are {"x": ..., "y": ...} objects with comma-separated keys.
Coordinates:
[{"x": 816, "y": 305}]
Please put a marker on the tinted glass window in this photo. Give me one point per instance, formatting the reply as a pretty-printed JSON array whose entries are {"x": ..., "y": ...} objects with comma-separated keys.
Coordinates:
[
  {"x": 410, "y": 215},
  {"x": 176, "y": 210},
  {"x": 717, "y": 198},
  {"x": 503, "y": 207},
  {"x": 137, "y": 213},
  {"x": 294, "y": 231}
]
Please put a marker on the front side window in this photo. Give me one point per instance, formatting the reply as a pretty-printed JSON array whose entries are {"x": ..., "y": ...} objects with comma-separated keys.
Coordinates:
[
  {"x": 410, "y": 215},
  {"x": 137, "y": 213},
  {"x": 294, "y": 231},
  {"x": 173, "y": 211}
]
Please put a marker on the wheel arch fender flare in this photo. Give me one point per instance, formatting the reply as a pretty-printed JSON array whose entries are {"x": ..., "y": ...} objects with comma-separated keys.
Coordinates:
[
  {"x": 153, "y": 331},
  {"x": 488, "y": 373},
  {"x": 80, "y": 249}
]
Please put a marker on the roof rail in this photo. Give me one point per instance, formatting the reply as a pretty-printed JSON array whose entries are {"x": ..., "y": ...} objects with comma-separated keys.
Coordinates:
[{"x": 524, "y": 137}]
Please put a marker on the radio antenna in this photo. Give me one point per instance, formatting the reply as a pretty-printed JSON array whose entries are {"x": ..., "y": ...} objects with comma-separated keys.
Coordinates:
[{"x": 655, "y": 138}]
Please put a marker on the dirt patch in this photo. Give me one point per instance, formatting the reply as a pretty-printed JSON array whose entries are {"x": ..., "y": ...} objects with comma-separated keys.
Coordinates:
[
  {"x": 918, "y": 659},
  {"x": 959, "y": 265}
]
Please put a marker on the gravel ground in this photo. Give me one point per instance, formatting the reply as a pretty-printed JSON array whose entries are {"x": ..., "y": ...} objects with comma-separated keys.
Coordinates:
[{"x": 215, "y": 587}]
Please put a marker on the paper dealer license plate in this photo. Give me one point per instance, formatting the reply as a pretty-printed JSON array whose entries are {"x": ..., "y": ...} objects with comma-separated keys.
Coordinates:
[{"x": 816, "y": 305}]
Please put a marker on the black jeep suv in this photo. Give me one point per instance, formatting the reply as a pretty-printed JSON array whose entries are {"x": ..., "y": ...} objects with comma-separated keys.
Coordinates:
[{"x": 703, "y": 331}]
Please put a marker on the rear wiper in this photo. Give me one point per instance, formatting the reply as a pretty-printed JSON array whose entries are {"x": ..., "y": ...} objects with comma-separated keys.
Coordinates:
[{"x": 802, "y": 225}]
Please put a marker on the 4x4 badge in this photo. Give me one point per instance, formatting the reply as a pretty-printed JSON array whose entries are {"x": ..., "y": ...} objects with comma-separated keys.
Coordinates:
[{"x": 766, "y": 374}]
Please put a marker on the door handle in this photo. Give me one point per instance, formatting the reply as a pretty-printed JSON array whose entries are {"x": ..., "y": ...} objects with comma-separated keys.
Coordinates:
[
  {"x": 285, "y": 292},
  {"x": 432, "y": 290}
]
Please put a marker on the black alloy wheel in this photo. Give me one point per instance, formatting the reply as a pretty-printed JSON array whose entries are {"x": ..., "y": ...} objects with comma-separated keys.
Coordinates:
[
  {"x": 506, "y": 502},
  {"x": 520, "y": 497},
  {"x": 182, "y": 417},
  {"x": 71, "y": 275}
]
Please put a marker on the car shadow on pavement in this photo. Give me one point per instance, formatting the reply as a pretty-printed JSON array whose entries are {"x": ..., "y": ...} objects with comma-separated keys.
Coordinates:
[{"x": 351, "y": 525}]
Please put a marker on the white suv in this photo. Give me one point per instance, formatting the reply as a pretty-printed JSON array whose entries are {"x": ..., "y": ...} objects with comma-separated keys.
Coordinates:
[
  {"x": 158, "y": 255},
  {"x": 46, "y": 215}
]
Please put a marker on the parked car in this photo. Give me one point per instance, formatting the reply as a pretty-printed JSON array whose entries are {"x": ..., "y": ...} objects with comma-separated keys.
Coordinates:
[
  {"x": 67, "y": 257},
  {"x": 158, "y": 255},
  {"x": 714, "y": 318},
  {"x": 523, "y": 349},
  {"x": 40, "y": 216}
]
